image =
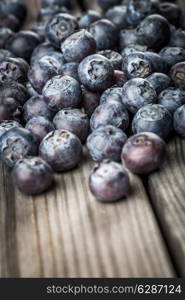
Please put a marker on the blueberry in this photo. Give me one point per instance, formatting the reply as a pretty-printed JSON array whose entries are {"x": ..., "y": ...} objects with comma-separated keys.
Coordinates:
[
  {"x": 15, "y": 144},
  {"x": 17, "y": 8},
  {"x": 90, "y": 100},
  {"x": 5, "y": 53},
  {"x": 137, "y": 65},
  {"x": 173, "y": 55},
  {"x": 23, "y": 43},
  {"x": 109, "y": 182},
  {"x": 36, "y": 106},
  {"x": 70, "y": 69},
  {"x": 44, "y": 69},
  {"x": 158, "y": 63},
  {"x": 138, "y": 92},
  {"x": 45, "y": 13},
  {"x": 154, "y": 31},
  {"x": 172, "y": 98},
  {"x": 32, "y": 175},
  {"x": 177, "y": 75},
  {"x": 132, "y": 48},
  {"x": 128, "y": 37},
  {"x": 171, "y": 12},
  {"x": 178, "y": 38},
  {"x": 114, "y": 57},
  {"x": 96, "y": 72},
  {"x": 61, "y": 149},
  {"x": 179, "y": 120},
  {"x": 110, "y": 113},
  {"x": 12, "y": 68},
  {"x": 62, "y": 92},
  {"x": 7, "y": 125},
  {"x": 5, "y": 34},
  {"x": 31, "y": 91},
  {"x": 143, "y": 153},
  {"x": 117, "y": 15},
  {"x": 112, "y": 94},
  {"x": 105, "y": 34},
  {"x": 41, "y": 50},
  {"x": 59, "y": 27},
  {"x": 73, "y": 120},
  {"x": 13, "y": 89},
  {"x": 106, "y": 142},
  {"x": 78, "y": 45},
  {"x": 159, "y": 81},
  {"x": 89, "y": 17},
  {"x": 153, "y": 118},
  {"x": 120, "y": 78},
  {"x": 10, "y": 21},
  {"x": 9, "y": 109}
]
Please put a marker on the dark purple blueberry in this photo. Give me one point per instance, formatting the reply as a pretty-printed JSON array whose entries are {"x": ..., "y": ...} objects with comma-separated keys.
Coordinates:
[
  {"x": 109, "y": 182},
  {"x": 105, "y": 34},
  {"x": 44, "y": 69},
  {"x": 12, "y": 69},
  {"x": 59, "y": 27},
  {"x": 7, "y": 125},
  {"x": 10, "y": 109},
  {"x": 158, "y": 63},
  {"x": 137, "y": 65},
  {"x": 5, "y": 34},
  {"x": 153, "y": 118},
  {"x": 132, "y": 48},
  {"x": 171, "y": 12},
  {"x": 36, "y": 106},
  {"x": 114, "y": 57},
  {"x": 110, "y": 113},
  {"x": 117, "y": 15},
  {"x": 178, "y": 38},
  {"x": 120, "y": 78},
  {"x": 106, "y": 142},
  {"x": 41, "y": 50},
  {"x": 17, "y": 8},
  {"x": 182, "y": 19},
  {"x": 23, "y": 43},
  {"x": 137, "y": 10},
  {"x": 143, "y": 153},
  {"x": 15, "y": 144},
  {"x": 136, "y": 93},
  {"x": 5, "y": 53},
  {"x": 90, "y": 100},
  {"x": 177, "y": 75},
  {"x": 172, "y": 98},
  {"x": 89, "y": 17},
  {"x": 154, "y": 31},
  {"x": 62, "y": 92},
  {"x": 10, "y": 21},
  {"x": 39, "y": 128},
  {"x": 13, "y": 89},
  {"x": 78, "y": 45},
  {"x": 32, "y": 175},
  {"x": 112, "y": 94},
  {"x": 70, "y": 69},
  {"x": 179, "y": 121},
  {"x": 61, "y": 149},
  {"x": 128, "y": 37},
  {"x": 96, "y": 72},
  {"x": 31, "y": 91},
  {"x": 173, "y": 55},
  {"x": 45, "y": 13},
  {"x": 39, "y": 28},
  {"x": 159, "y": 81},
  {"x": 106, "y": 4},
  {"x": 73, "y": 120}
]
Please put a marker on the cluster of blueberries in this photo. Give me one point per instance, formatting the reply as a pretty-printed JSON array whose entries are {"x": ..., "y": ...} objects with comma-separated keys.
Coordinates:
[{"x": 95, "y": 79}]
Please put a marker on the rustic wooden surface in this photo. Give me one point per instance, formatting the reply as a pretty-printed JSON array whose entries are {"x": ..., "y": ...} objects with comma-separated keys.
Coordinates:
[{"x": 66, "y": 233}]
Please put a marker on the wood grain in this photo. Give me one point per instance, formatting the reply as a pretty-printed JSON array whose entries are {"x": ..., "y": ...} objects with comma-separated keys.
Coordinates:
[{"x": 167, "y": 191}]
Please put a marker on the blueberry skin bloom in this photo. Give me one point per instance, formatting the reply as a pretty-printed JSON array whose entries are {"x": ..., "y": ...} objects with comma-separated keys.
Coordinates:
[
  {"x": 7, "y": 125},
  {"x": 173, "y": 55},
  {"x": 61, "y": 149},
  {"x": 73, "y": 120},
  {"x": 153, "y": 118},
  {"x": 39, "y": 127},
  {"x": 12, "y": 69},
  {"x": 13, "y": 89},
  {"x": 105, "y": 34},
  {"x": 143, "y": 153},
  {"x": 179, "y": 120},
  {"x": 78, "y": 45},
  {"x": 36, "y": 106},
  {"x": 159, "y": 81},
  {"x": 138, "y": 92},
  {"x": 89, "y": 17},
  {"x": 109, "y": 182},
  {"x": 177, "y": 75},
  {"x": 106, "y": 142},
  {"x": 137, "y": 65},
  {"x": 172, "y": 98},
  {"x": 62, "y": 92},
  {"x": 59, "y": 27},
  {"x": 15, "y": 144},
  {"x": 110, "y": 113},
  {"x": 96, "y": 72},
  {"x": 90, "y": 100},
  {"x": 112, "y": 94},
  {"x": 114, "y": 57},
  {"x": 32, "y": 175}
]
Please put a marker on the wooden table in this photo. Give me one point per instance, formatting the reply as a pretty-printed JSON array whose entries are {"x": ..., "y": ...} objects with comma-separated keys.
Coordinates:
[{"x": 67, "y": 233}]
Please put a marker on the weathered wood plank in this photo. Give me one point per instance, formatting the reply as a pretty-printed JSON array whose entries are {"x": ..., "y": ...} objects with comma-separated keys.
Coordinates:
[{"x": 167, "y": 191}]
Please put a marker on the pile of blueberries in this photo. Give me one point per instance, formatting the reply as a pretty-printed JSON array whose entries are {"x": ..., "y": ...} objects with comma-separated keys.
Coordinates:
[{"x": 95, "y": 79}]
